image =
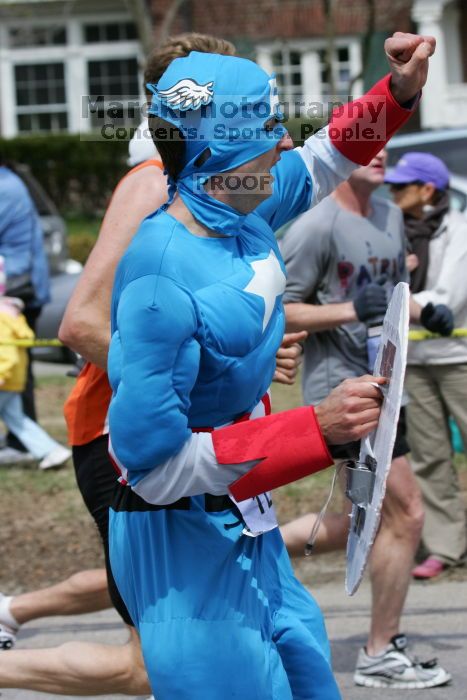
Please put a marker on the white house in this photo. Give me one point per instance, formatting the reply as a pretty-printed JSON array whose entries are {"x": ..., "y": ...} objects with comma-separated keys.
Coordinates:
[
  {"x": 444, "y": 101},
  {"x": 55, "y": 54}
]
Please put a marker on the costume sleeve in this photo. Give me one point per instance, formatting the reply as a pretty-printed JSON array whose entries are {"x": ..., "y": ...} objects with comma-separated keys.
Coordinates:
[
  {"x": 153, "y": 365},
  {"x": 285, "y": 446},
  {"x": 450, "y": 285},
  {"x": 356, "y": 133}
]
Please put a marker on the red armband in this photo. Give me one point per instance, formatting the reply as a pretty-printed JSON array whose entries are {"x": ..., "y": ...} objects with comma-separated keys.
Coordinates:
[
  {"x": 290, "y": 446},
  {"x": 361, "y": 128}
]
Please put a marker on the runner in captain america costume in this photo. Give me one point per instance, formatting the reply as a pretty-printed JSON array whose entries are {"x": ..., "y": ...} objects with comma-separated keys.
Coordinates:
[{"x": 196, "y": 322}]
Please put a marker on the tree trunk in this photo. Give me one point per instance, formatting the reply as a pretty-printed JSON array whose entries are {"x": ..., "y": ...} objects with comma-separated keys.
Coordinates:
[
  {"x": 328, "y": 9},
  {"x": 142, "y": 16},
  {"x": 166, "y": 25},
  {"x": 366, "y": 43}
]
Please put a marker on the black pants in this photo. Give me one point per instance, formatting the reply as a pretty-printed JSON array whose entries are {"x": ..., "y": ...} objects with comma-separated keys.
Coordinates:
[{"x": 97, "y": 481}]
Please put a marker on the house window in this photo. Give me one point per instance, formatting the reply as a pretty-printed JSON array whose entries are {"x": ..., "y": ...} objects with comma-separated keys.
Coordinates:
[
  {"x": 42, "y": 121},
  {"x": 27, "y": 36},
  {"x": 41, "y": 97},
  {"x": 52, "y": 66},
  {"x": 115, "y": 77},
  {"x": 287, "y": 67},
  {"x": 341, "y": 70},
  {"x": 302, "y": 70},
  {"x": 111, "y": 31},
  {"x": 114, "y": 86}
]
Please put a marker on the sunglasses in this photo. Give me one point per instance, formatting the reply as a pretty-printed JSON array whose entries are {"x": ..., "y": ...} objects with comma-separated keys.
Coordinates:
[{"x": 396, "y": 186}]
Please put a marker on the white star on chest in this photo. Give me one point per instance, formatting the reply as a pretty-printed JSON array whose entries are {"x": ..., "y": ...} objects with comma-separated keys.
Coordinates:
[{"x": 268, "y": 282}]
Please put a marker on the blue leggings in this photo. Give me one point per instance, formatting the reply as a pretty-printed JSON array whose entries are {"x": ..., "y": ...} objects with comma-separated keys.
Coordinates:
[{"x": 220, "y": 614}]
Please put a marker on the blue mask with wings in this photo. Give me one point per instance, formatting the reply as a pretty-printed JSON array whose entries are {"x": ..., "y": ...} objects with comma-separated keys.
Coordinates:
[{"x": 226, "y": 109}]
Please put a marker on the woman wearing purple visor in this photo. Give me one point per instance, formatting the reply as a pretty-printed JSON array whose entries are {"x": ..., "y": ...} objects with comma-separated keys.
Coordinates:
[{"x": 436, "y": 377}]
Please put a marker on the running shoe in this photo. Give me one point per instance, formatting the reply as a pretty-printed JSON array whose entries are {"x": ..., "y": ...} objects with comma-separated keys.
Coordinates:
[
  {"x": 57, "y": 458},
  {"x": 394, "y": 668},
  {"x": 7, "y": 637}
]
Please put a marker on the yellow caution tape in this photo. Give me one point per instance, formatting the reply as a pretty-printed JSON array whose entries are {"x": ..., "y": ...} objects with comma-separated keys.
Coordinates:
[
  {"x": 55, "y": 342},
  {"x": 427, "y": 335},
  {"x": 32, "y": 342}
]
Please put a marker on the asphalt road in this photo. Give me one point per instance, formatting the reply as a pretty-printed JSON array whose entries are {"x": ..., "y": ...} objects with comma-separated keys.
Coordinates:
[{"x": 435, "y": 620}]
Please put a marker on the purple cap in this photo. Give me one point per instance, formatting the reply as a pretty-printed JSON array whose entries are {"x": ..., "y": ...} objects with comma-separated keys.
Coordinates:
[{"x": 421, "y": 167}]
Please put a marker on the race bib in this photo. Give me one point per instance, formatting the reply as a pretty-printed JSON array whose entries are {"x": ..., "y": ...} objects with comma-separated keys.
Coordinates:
[{"x": 258, "y": 514}]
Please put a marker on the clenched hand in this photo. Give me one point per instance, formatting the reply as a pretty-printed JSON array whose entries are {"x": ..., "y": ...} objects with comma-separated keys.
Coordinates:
[
  {"x": 289, "y": 357},
  {"x": 351, "y": 411},
  {"x": 408, "y": 56}
]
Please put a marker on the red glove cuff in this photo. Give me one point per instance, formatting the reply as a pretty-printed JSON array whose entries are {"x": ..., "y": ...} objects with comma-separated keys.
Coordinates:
[
  {"x": 361, "y": 128},
  {"x": 290, "y": 446}
]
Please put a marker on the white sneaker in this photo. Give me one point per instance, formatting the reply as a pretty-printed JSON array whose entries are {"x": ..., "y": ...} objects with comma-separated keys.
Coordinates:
[
  {"x": 7, "y": 637},
  {"x": 11, "y": 457},
  {"x": 394, "y": 668},
  {"x": 56, "y": 458}
]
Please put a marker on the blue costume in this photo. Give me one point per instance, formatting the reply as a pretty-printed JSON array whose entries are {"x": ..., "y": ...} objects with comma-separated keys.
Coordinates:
[{"x": 196, "y": 323}]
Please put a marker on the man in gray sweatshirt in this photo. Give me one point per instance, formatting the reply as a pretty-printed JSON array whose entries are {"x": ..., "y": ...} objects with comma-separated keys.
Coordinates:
[{"x": 343, "y": 259}]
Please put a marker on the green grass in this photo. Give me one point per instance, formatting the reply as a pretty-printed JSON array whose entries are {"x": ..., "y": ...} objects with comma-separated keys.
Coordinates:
[{"x": 14, "y": 480}]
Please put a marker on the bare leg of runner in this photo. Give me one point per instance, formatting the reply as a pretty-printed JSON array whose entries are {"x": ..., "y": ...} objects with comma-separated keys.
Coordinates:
[
  {"x": 83, "y": 592},
  {"x": 77, "y": 668},
  {"x": 393, "y": 553},
  {"x": 332, "y": 533}
]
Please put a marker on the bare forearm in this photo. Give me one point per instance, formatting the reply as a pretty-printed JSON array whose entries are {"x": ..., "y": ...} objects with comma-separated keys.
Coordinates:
[
  {"x": 314, "y": 318},
  {"x": 94, "y": 347},
  {"x": 414, "y": 311},
  {"x": 86, "y": 325}
]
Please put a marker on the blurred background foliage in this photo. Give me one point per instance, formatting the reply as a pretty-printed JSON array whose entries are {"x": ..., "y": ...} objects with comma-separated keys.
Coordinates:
[{"x": 78, "y": 175}]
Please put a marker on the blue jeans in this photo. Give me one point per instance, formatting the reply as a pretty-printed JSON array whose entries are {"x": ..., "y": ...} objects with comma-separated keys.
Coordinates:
[{"x": 33, "y": 437}]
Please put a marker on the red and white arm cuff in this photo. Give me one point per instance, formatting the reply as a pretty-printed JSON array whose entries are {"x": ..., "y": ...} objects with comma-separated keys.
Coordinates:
[
  {"x": 361, "y": 128},
  {"x": 289, "y": 445}
]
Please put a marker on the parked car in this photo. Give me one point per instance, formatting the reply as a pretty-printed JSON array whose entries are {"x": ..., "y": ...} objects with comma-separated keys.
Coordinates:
[
  {"x": 64, "y": 273},
  {"x": 448, "y": 144}
]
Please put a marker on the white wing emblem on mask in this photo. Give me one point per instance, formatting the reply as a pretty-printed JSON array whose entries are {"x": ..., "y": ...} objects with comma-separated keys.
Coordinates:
[{"x": 187, "y": 94}]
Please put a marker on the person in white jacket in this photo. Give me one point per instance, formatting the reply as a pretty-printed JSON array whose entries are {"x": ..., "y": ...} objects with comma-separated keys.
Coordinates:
[{"x": 436, "y": 378}]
